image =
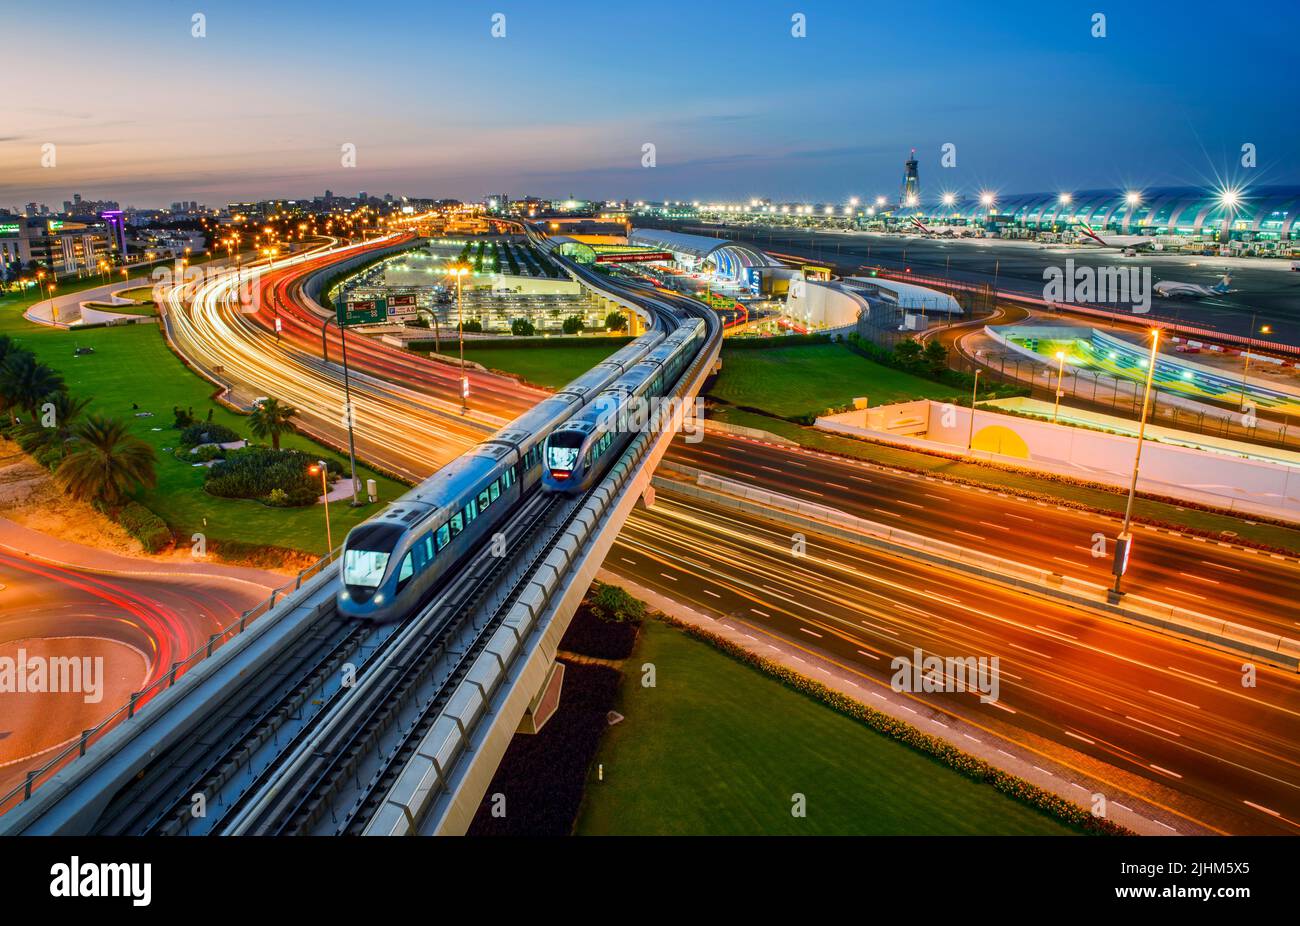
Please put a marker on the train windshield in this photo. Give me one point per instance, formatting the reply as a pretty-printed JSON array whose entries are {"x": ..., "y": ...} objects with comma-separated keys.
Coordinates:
[
  {"x": 562, "y": 451},
  {"x": 366, "y": 556}
]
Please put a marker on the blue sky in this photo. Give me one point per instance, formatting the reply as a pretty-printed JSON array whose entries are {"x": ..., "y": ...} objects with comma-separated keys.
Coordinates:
[{"x": 143, "y": 112}]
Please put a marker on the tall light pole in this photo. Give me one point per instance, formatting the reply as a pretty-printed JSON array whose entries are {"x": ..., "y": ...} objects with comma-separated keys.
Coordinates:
[
  {"x": 459, "y": 271},
  {"x": 1124, "y": 542},
  {"x": 1266, "y": 329},
  {"x": 970, "y": 436},
  {"x": 325, "y": 496},
  {"x": 1060, "y": 375}
]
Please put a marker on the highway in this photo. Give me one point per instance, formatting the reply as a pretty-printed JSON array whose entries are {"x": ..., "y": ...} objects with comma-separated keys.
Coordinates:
[
  {"x": 1146, "y": 715},
  {"x": 1225, "y": 581}
]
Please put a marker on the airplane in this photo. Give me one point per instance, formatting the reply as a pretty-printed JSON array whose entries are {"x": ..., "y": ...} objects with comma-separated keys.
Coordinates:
[
  {"x": 1172, "y": 289},
  {"x": 943, "y": 231},
  {"x": 1130, "y": 244}
]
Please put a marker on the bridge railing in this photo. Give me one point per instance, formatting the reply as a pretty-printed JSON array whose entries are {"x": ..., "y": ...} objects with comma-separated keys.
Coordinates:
[{"x": 137, "y": 701}]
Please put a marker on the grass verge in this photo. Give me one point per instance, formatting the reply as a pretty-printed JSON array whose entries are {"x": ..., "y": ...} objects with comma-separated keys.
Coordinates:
[{"x": 718, "y": 748}]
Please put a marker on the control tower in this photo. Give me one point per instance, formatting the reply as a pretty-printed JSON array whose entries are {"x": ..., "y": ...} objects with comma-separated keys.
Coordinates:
[{"x": 911, "y": 183}]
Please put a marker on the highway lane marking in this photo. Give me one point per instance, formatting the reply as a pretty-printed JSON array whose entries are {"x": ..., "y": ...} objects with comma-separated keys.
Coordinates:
[
  {"x": 1220, "y": 566},
  {"x": 1121, "y": 806},
  {"x": 1007, "y": 754},
  {"x": 1000, "y": 706},
  {"x": 1264, "y": 809},
  {"x": 1071, "y": 563},
  {"x": 707, "y": 592},
  {"x": 628, "y": 561},
  {"x": 1055, "y": 633},
  {"x": 899, "y": 501},
  {"x": 1028, "y": 650},
  {"x": 1151, "y": 725},
  {"x": 1191, "y": 674},
  {"x": 868, "y": 655},
  {"x": 760, "y": 613},
  {"x": 772, "y": 469},
  {"x": 892, "y": 514},
  {"x": 942, "y": 498},
  {"x": 812, "y": 492},
  {"x": 1039, "y": 768},
  {"x": 1161, "y": 694},
  {"x": 1188, "y": 575},
  {"x": 1165, "y": 771},
  {"x": 1018, "y": 517},
  {"x": 1000, "y": 527},
  {"x": 1183, "y": 591},
  {"x": 811, "y": 633},
  {"x": 938, "y": 723},
  {"x": 836, "y": 485},
  {"x": 973, "y": 739},
  {"x": 969, "y": 534},
  {"x": 1079, "y": 737},
  {"x": 878, "y": 627},
  {"x": 668, "y": 577}
]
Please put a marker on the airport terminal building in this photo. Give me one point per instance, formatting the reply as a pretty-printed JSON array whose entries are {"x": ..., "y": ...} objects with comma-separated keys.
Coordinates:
[{"x": 1262, "y": 214}]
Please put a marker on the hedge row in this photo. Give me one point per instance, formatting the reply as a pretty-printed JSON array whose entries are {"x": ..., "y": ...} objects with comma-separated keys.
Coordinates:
[
  {"x": 513, "y": 343},
  {"x": 145, "y": 526},
  {"x": 940, "y": 750}
]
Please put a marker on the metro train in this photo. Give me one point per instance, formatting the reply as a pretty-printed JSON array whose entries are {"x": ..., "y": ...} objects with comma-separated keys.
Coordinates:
[
  {"x": 394, "y": 561},
  {"x": 578, "y": 452}
]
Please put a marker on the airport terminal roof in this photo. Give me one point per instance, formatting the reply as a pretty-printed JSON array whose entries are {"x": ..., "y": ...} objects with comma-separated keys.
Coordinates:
[
  {"x": 697, "y": 246},
  {"x": 1168, "y": 210}
]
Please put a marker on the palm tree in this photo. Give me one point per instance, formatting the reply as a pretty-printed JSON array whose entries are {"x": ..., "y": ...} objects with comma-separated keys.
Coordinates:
[
  {"x": 106, "y": 462},
  {"x": 271, "y": 419},
  {"x": 25, "y": 383},
  {"x": 34, "y": 435}
]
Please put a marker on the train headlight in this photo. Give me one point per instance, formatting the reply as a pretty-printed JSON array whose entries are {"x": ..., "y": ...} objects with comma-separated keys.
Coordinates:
[
  {"x": 379, "y": 599},
  {"x": 344, "y": 595}
]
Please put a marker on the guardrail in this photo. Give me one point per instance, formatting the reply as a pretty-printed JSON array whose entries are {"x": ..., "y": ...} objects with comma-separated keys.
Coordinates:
[{"x": 139, "y": 699}]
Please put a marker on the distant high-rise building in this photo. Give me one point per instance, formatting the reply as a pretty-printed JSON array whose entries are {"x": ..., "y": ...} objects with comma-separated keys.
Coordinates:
[{"x": 911, "y": 183}]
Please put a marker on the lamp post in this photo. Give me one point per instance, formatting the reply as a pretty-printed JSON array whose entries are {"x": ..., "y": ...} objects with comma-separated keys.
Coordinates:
[
  {"x": 1060, "y": 375},
  {"x": 320, "y": 466},
  {"x": 1124, "y": 541},
  {"x": 970, "y": 436},
  {"x": 459, "y": 271},
  {"x": 1266, "y": 329}
]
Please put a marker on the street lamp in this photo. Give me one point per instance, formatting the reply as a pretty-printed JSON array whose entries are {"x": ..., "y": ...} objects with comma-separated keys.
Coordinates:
[
  {"x": 1266, "y": 329},
  {"x": 1124, "y": 542},
  {"x": 459, "y": 271},
  {"x": 320, "y": 467},
  {"x": 970, "y": 436},
  {"x": 1060, "y": 375}
]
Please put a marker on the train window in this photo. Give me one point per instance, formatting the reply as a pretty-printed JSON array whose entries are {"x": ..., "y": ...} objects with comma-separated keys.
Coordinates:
[
  {"x": 495, "y": 490},
  {"x": 485, "y": 498},
  {"x": 507, "y": 477},
  {"x": 471, "y": 511},
  {"x": 420, "y": 558},
  {"x": 367, "y": 552},
  {"x": 444, "y": 536},
  {"x": 428, "y": 546},
  {"x": 457, "y": 523},
  {"x": 405, "y": 572}
]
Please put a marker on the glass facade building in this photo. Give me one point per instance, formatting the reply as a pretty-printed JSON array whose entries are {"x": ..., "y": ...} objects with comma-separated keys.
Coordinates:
[{"x": 1262, "y": 214}]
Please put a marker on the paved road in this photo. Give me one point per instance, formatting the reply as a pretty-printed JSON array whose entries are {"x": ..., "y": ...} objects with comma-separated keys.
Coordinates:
[
  {"x": 1224, "y": 581},
  {"x": 139, "y": 615},
  {"x": 1138, "y": 711}
]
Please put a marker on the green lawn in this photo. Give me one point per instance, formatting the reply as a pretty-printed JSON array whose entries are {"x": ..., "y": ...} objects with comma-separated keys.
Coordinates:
[
  {"x": 808, "y": 379},
  {"x": 693, "y": 756},
  {"x": 132, "y": 364},
  {"x": 551, "y": 367}
]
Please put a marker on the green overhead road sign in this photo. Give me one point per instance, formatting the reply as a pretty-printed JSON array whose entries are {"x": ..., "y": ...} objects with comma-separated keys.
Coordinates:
[{"x": 363, "y": 312}]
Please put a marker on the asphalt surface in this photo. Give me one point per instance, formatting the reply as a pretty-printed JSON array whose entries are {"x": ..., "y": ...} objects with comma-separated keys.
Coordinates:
[
  {"x": 1223, "y": 581},
  {"x": 1146, "y": 715}
]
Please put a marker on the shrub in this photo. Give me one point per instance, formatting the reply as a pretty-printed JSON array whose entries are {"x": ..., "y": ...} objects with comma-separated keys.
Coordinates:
[
  {"x": 473, "y": 325},
  {"x": 144, "y": 526},
  {"x": 573, "y": 324},
  {"x": 50, "y": 457},
  {"x": 207, "y": 432},
  {"x": 522, "y": 328},
  {"x": 257, "y": 472},
  {"x": 611, "y": 603}
]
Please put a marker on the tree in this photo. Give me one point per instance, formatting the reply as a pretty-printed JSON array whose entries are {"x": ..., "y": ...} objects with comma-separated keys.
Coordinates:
[
  {"x": 522, "y": 328},
  {"x": 573, "y": 324},
  {"x": 271, "y": 419},
  {"x": 35, "y": 436},
  {"x": 936, "y": 356},
  {"x": 25, "y": 382},
  {"x": 908, "y": 353},
  {"x": 616, "y": 321},
  {"x": 611, "y": 603},
  {"x": 106, "y": 462}
]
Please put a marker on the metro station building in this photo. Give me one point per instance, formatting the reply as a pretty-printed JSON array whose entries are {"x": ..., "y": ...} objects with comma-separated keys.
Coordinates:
[{"x": 728, "y": 259}]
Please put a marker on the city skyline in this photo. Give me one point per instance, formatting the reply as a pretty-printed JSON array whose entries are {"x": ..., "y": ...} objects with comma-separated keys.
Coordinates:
[{"x": 436, "y": 106}]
